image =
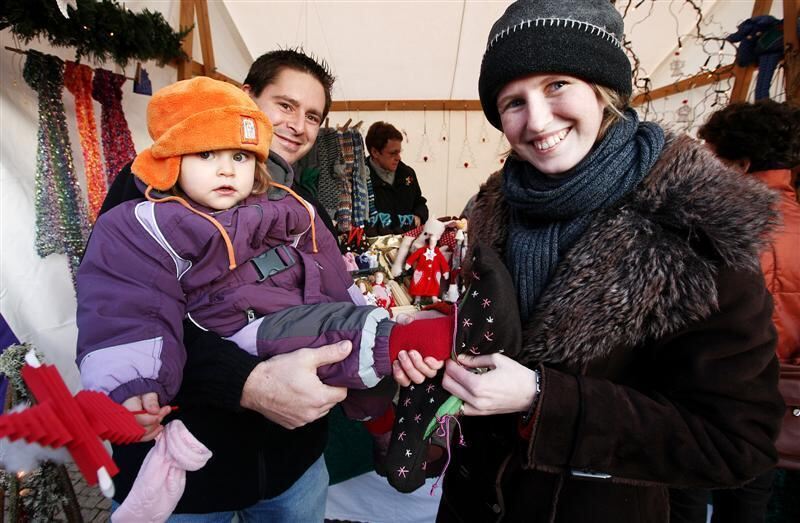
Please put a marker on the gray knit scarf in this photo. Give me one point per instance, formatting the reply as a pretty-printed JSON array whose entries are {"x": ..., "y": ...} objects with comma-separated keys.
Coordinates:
[{"x": 549, "y": 215}]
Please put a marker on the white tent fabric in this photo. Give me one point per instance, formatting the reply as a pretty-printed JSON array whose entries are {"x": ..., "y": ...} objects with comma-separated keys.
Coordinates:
[{"x": 379, "y": 50}]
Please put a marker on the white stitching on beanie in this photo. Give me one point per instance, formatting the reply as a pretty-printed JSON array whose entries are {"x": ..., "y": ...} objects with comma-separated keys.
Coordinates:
[{"x": 584, "y": 26}]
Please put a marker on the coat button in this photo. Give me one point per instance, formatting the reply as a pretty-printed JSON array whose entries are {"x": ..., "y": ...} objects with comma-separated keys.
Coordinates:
[
  {"x": 496, "y": 508},
  {"x": 796, "y": 412}
]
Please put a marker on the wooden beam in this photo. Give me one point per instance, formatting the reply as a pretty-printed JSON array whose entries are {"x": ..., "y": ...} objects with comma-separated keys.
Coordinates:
[
  {"x": 199, "y": 69},
  {"x": 791, "y": 47},
  {"x": 744, "y": 75},
  {"x": 698, "y": 80},
  {"x": 204, "y": 31},
  {"x": 406, "y": 105},
  {"x": 186, "y": 20}
]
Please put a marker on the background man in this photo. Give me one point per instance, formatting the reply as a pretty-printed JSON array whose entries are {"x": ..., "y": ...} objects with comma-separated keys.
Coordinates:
[{"x": 398, "y": 198}]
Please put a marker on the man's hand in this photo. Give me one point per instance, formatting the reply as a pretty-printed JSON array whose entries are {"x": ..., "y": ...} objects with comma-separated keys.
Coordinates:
[{"x": 286, "y": 390}]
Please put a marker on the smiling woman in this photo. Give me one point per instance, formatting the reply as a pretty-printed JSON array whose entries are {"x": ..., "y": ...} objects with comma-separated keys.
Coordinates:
[{"x": 636, "y": 373}]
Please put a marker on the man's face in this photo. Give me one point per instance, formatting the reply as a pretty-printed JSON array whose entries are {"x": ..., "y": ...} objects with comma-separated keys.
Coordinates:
[
  {"x": 389, "y": 157},
  {"x": 294, "y": 103}
]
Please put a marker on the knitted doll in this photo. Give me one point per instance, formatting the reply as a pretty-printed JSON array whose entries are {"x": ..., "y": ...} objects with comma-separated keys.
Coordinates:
[
  {"x": 487, "y": 321},
  {"x": 430, "y": 267}
]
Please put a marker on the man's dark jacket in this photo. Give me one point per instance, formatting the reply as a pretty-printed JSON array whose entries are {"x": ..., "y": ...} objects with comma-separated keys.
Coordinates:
[{"x": 403, "y": 197}]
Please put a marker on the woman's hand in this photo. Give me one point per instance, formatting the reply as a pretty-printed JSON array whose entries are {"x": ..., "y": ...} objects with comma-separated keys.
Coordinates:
[
  {"x": 411, "y": 366},
  {"x": 506, "y": 386}
]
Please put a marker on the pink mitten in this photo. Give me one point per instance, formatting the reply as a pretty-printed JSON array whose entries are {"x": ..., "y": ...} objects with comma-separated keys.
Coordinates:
[{"x": 162, "y": 478}]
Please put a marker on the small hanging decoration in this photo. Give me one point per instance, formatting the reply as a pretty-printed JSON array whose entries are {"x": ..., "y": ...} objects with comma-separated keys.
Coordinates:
[
  {"x": 676, "y": 65},
  {"x": 466, "y": 158},
  {"x": 684, "y": 112},
  {"x": 78, "y": 80},
  {"x": 61, "y": 221},
  {"x": 502, "y": 148},
  {"x": 425, "y": 150},
  {"x": 443, "y": 132},
  {"x": 118, "y": 149},
  {"x": 484, "y": 134},
  {"x": 141, "y": 81}
]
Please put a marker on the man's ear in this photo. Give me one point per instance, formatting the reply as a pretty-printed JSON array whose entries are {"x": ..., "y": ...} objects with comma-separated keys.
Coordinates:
[
  {"x": 249, "y": 90},
  {"x": 373, "y": 151}
]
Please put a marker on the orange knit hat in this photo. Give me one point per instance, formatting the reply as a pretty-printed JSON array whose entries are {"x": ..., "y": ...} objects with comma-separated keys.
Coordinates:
[{"x": 197, "y": 115}]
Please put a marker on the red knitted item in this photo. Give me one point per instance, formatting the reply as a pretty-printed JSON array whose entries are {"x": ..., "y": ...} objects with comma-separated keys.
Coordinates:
[
  {"x": 382, "y": 424},
  {"x": 430, "y": 337}
]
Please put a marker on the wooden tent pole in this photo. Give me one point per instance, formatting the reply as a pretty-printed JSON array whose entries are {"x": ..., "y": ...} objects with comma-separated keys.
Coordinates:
[
  {"x": 204, "y": 29},
  {"x": 791, "y": 46},
  {"x": 186, "y": 20}
]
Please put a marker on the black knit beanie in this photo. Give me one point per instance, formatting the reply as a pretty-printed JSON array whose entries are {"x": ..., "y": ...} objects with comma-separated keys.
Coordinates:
[{"x": 582, "y": 38}]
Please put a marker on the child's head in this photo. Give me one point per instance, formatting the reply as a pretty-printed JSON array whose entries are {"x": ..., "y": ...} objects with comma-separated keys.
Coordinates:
[{"x": 210, "y": 140}]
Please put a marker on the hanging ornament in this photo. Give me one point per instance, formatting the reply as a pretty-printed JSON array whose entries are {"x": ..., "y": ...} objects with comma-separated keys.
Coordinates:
[
  {"x": 466, "y": 159},
  {"x": 61, "y": 222},
  {"x": 484, "y": 133},
  {"x": 118, "y": 149},
  {"x": 78, "y": 80},
  {"x": 502, "y": 148},
  {"x": 443, "y": 132},
  {"x": 425, "y": 150},
  {"x": 684, "y": 112},
  {"x": 676, "y": 65}
]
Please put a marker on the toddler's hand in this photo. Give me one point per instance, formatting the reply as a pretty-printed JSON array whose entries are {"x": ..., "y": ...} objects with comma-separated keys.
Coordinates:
[
  {"x": 411, "y": 367},
  {"x": 151, "y": 421}
]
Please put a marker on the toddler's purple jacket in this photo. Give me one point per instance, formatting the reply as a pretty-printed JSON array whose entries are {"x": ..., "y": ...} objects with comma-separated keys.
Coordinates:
[{"x": 150, "y": 265}]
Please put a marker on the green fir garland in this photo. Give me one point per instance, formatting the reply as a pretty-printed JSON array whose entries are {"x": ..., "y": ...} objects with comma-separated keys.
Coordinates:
[{"x": 99, "y": 31}]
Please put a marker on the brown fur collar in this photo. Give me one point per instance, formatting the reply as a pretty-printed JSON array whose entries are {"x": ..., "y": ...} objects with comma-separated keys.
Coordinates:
[{"x": 646, "y": 267}]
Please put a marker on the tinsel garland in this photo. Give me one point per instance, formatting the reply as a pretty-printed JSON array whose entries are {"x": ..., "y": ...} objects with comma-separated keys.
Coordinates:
[
  {"x": 97, "y": 30},
  {"x": 61, "y": 224},
  {"x": 118, "y": 149},
  {"x": 78, "y": 80}
]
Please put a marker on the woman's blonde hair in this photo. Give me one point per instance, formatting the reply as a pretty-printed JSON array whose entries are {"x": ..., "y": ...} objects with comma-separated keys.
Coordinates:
[{"x": 615, "y": 105}]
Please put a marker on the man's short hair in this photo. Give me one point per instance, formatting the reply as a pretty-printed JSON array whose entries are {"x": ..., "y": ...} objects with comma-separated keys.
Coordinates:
[
  {"x": 268, "y": 66},
  {"x": 379, "y": 133}
]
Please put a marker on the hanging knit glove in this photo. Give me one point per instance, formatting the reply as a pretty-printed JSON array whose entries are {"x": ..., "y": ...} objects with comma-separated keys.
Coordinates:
[
  {"x": 162, "y": 478},
  {"x": 487, "y": 322}
]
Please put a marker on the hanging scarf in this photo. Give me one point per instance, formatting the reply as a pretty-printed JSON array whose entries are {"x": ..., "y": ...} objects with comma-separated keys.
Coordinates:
[
  {"x": 361, "y": 208},
  {"x": 549, "y": 215},
  {"x": 118, "y": 149},
  {"x": 78, "y": 80},
  {"x": 61, "y": 224}
]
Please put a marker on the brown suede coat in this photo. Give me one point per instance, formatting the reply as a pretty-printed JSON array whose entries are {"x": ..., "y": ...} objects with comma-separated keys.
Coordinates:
[{"x": 657, "y": 356}]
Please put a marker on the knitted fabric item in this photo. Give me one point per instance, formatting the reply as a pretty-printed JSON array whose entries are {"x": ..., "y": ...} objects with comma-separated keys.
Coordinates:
[
  {"x": 548, "y": 216},
  {"x": 581, "y": 38},
  {"x": 361, "y": 208},
  {"x": 61, "y": 221},
  {"x": 330, "y": 155},
  {"x": 487, "y": 322},
  {"x": 118, "y": 148},
  {"x": 162, "y": 478},
  {"x": 344, "y": 176},
  {"x": 78, "y": 80}
]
